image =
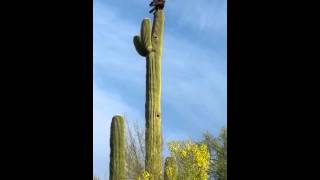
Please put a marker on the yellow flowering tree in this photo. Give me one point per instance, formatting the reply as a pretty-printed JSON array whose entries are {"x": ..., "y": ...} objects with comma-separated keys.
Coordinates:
[
  {"x": 192, "y": 159},
  {"x": 170, "y": 169},
  {"x": 144, "y": 176}
]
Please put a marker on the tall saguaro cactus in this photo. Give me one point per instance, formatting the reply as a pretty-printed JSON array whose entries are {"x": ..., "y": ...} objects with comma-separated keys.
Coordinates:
[
  {"x": 149, "y": 45},
  {"x": 117, "y": 147}
]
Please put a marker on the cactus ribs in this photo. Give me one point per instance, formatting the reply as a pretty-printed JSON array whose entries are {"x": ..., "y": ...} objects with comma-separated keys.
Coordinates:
[
  {"x": 156, "y": 4},
  {"x": 117, "y": 149},
  {"x": 149, "y": 45}
]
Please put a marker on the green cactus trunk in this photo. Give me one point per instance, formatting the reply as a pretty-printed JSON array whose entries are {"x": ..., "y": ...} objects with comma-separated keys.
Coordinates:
[
  {"x": 170, "y": 169},
  {"x": 117, "y": 148},
  {"x": 149, "y": 45}
]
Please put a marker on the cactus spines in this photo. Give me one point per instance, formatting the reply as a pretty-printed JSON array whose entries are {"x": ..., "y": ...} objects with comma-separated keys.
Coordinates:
[
  {"x": 170, "y": 169},
  {"x": 117, "y": 149},
  {"x": 149, "y": 45}
]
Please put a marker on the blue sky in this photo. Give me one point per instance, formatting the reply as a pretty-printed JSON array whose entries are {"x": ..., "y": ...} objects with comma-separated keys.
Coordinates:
[{"x": 194, "y": 70}]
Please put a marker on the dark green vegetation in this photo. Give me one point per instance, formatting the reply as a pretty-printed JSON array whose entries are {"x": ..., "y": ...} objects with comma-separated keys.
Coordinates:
[{"x": 218, "y": 154}]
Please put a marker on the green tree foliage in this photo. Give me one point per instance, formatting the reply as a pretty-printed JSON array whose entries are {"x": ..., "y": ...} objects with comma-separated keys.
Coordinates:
[{"x": 217, "y": 147}]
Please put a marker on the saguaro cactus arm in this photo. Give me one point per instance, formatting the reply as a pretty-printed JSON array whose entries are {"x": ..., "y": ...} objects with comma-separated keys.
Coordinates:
[
  {"x": 145, "y": 34},
  {"x": 142, "y": 43},
  {"x": 149, "y": 45},
  {"x": 139, "y": 47},
  {"x": 117, "y": 149}
]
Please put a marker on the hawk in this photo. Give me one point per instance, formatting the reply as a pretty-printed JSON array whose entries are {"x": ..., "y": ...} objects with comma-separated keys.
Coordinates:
[{"x": 156, "y": 4}]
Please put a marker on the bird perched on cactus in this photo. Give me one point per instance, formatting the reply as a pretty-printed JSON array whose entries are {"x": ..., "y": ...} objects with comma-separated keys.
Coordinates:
[
  {"x": 149, "y": 45},
  {"x": 156, "y": 4}
]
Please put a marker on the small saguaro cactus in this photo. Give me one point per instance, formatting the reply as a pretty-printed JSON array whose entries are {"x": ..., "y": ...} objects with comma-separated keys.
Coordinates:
[
  {"x": 149, "y": 45},
  {"x": 117, "y": 149},
  {"x": 170, "y": 169}
]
